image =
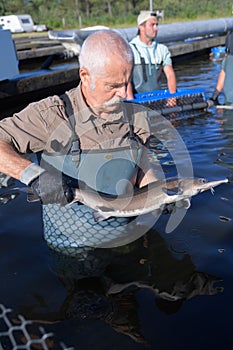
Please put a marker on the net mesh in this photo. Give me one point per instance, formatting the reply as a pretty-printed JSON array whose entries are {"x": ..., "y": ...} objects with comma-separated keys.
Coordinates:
[
  {"x": 72, "y": 230},
  {"x": 18, "y": 333},
  {"x": 183, "y": 100}
]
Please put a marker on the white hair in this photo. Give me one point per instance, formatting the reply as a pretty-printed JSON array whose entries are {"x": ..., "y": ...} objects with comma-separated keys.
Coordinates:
[{"x": 97, "y": 47}]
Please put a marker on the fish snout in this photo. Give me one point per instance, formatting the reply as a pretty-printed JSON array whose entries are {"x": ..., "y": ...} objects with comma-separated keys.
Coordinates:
[{"x": 204, "y": 185}]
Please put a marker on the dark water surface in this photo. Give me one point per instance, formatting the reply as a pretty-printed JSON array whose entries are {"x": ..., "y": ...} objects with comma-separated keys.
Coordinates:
[{"x": 164, "y": 291}]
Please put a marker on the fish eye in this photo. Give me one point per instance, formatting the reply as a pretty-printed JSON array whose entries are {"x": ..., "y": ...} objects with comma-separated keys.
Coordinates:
[{"x": 202, "y": 181}]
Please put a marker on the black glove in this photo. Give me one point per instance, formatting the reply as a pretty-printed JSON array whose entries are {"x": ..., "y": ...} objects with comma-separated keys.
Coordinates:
[
  {"x": 52, "y": 188},
  {"x": 214, "y": 97}
]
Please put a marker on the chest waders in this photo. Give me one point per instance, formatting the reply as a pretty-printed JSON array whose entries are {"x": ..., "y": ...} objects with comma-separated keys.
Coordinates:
[
  {"x": 146, "y": 77},
  {"x": 68, "y": 228},
  {"x": 228, "y": 85}
]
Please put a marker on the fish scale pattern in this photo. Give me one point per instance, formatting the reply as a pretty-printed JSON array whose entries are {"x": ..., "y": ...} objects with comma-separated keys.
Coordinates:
[{"x": 17, "y": 333}]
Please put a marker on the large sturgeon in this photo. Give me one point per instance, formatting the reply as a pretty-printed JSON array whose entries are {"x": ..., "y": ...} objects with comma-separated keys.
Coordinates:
[{"x": 150, "y": 198}]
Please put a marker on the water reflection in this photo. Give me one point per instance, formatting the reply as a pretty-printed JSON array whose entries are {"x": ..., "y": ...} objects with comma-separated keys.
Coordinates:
[{"x": 104, "y": 284}]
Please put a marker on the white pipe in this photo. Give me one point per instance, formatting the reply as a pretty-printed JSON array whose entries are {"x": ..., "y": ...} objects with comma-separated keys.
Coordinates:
[
  {"x": 184, "y": 30},
  {"x": 167, "y": 32}
]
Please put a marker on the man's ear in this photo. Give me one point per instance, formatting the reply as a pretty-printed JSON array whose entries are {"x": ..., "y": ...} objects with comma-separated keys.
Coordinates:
[{"x": 84, "y": 76}]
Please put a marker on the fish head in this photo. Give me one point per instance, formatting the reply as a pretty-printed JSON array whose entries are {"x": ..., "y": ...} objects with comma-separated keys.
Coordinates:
[
  {"x": 205, "y": 185},
  {"x": 189, "y": 187}
]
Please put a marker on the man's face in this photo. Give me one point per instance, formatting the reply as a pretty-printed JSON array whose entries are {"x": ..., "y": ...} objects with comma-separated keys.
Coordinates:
[
  {"x": 150, "y": 28},
  {"x": 104, "y": 93}
]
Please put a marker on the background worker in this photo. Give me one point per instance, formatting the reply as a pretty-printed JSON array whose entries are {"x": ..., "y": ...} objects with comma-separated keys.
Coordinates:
[
  {"x": 89, "y": 134},
  {"x": 150, "y": 58},
  {"x": 225, "y": 81}
]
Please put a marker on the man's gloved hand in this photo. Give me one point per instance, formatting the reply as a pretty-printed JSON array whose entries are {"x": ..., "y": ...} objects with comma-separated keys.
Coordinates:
[
  {"x": 214, "y": 97},
  {"x": 52, "y": 188}
]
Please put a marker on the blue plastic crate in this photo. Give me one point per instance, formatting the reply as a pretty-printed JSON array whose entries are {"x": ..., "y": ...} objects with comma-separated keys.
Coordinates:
[
  {"x": 218, "y": 52},
  {"x": 156, "y": 95}
]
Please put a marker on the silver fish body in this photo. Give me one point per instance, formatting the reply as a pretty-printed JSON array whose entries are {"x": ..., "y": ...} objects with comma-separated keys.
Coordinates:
[{"x": 148, "y": 199}]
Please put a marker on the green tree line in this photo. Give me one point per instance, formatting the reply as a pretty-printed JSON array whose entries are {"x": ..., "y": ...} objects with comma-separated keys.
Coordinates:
[{"x": 67, "y": 14}]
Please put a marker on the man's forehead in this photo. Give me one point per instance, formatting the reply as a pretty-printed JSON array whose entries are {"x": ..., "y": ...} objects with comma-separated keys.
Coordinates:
[
  {"x": 152, "y": 21},
  {"x": 119, "y": 66}
]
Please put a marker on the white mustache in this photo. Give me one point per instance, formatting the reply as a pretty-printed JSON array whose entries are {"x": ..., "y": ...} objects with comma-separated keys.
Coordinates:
[{"x": 114, "y": 101}]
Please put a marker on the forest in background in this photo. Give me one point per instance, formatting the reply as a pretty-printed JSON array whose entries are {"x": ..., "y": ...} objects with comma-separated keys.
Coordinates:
[{"x": 70, "y": 14}]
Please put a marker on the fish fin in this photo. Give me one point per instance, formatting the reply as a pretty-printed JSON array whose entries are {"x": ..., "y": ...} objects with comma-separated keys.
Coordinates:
[
  {"x": 168, "y": 208},
  {"x": 148, "y": 219},
  {"x": 183, "y": 203},
  {"x": 187, "y": 203},
  {"x": 100, "y": 216}
]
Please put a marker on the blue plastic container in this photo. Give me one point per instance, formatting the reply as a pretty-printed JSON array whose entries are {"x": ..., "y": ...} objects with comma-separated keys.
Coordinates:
[
  {"x": 218, "y": 52},
  {"x": 156, "y": 95}
]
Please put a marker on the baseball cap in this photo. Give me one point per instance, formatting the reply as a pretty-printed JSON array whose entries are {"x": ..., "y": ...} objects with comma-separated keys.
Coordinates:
[{"x": 145, "y": 15}]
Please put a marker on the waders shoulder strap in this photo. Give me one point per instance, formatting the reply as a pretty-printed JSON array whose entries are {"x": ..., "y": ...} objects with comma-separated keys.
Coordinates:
[
  {"x": 75, "y": 148},
  {"x": 143, "y": 64}
]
